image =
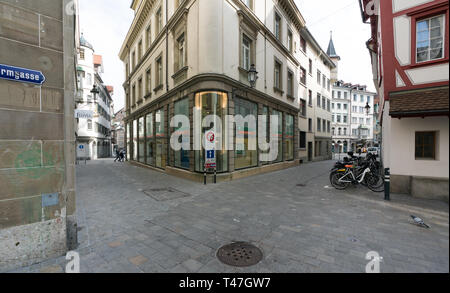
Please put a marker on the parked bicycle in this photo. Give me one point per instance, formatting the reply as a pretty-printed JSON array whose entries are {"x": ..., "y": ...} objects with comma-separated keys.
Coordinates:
[{"x": 357, "y": 170}]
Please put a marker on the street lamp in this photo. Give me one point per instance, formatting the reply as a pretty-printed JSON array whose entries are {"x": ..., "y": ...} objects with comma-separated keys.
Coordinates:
[
  {"x": 95, "y": 91},
  {"x": 252, "y": 78},
  {"x": 367, "y": 109}
]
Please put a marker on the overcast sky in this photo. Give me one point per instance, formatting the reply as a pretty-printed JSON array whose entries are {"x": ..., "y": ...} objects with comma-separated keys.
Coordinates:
[{"x": 105, "y": 24}]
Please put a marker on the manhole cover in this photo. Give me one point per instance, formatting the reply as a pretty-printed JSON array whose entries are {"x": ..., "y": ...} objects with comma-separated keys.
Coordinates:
[
  {"x": 240, "y": 254},
  {"x": 165, "y": 194}
]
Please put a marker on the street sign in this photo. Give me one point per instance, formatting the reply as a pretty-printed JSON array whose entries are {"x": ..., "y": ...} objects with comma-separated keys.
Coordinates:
[
  {"x": 21, "y": 74},
  {"x": 86, "y": 114},
  {"x": 210, "y": 150},
  {"x": 81, "y": 151}
]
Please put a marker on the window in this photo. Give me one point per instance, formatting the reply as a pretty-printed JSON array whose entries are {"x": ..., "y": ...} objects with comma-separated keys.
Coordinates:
[
  {"x": 361, "y": 121},
  {"x": 345, "y": 95},
  {"x": 345, "y": 118},
  {"x": 368, "y": 99},
  {"x": 345, "y": 131},
  {"x": 303, "y": 75},
  {"x": 333, "y": 131},
  {"x": 148, "y": 81},
  {"x": 430, "y": 38},
  {"x": 277, "y": 78},
  {"x": 368, "y": 120},
  {"x": 89, "y": 124},
  {"x": 354, "y": 120},
  {"x": 355, "y": 98},
  {"x": 324, "y": 81},
  {"x": 303, "y": 108},
  {"x": 82, "y": 54},
  {"x": 310, "y": 98},
  {"x": 333, "y": 94},
  {"x": 89, "y": 79},
  {"x": 133, "y": 60},
  {"x": 361, "y": 109},
  {"x": 302, "y": 143},
  {"x": 290, "y": 42},
  {"x": 310, "y": 126},
  {"x": 318, "y": 100},
  {"x": 277, "y": 26},
  {"x": 139, "y": 89},
  {"x": 426, "y": 145},
  {"x": 290, "y": 83},
  {"x": 135, "y": 140},
  {"x": 279, "y": 135},
  {"x": 328, "y": 105},
  {"x": 339, "y": 106},
  {"x": 289, "y": 137},
  {"x": 333, "y": 118},
  {"x": 362, "y": 99},
  {"x": 181, "y": 54},
  {"x": 150, "y": 160},
  {"x": 310, "y": 66},
  {"x": 182, "y": 156},
  {"x": 159, "y": 72},
  {"x": 303, "y": 44},
  {"x": 211, "y": 103},
  {"x": 338, "y": 118},
  {"x": 319, "y": 74},
  {"x": 328, "y": 84},
  {"x": 319, "y": 124},
  {"x": 355, "y": 109},
  {"x": 141, "y": 142},
  {"x": 158, "y": 20},
  {"x": 324, "y": 103},
  {"x": 246, "y": 52},
  {"x": 133, "y": 95},
  {"x": 148, "y": 36},
  {"x": 332, "y": 106},
  {"x": 161, "y": 139},
  {"x": 328, "y": 126},
  {"x": 339, "y": 95},
  {"x": 140, "y": 50},
  {"x": 244, "y": 156},
  {"x": 345, "y": 107},
  {"x": 324, "y": 125}
]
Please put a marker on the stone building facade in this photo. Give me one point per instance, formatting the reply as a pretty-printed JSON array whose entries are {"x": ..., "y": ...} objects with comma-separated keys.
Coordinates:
[
  {"x": 196, "y": 54},
  {"x": 37, "y": 174}
]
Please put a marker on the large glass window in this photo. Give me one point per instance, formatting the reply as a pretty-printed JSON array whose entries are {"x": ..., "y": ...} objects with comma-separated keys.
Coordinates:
[
  {"x": 150, "y": 140},
  {"x": 265, "y": 112},
  {"x": 279, "y": 135},
  {"x": 289, "y": 137},
  {"x": 430, "y": 38},
  {"x": 211, "y": 103},
  {"x": 161, "y": 139},
  {"x": 244, "y": 157},
  {"x": 182, "y": 156},
  {"x": 141, "y": 138},
  {"x": 128, "y": 141},
  {"x": 135, "y": 140}
]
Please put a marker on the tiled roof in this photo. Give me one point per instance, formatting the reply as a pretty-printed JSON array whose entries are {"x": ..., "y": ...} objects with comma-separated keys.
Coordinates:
[{"x": 420, "y": 103}]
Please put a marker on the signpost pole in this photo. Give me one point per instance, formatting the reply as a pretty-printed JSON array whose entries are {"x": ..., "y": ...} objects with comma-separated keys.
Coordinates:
[
  {"x": 215, "y": 175},
  {"x": 204, "y": 175}
]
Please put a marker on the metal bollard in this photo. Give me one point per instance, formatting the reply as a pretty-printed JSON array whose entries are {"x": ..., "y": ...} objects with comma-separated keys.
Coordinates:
[
  {"x": 204, "y": 176},
  {"x": 387, "y": 184},
  {"x": 215, "y": 175}
]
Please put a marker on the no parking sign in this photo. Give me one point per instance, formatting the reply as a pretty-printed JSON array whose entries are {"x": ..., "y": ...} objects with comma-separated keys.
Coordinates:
[{"x": 210, "y": 150}]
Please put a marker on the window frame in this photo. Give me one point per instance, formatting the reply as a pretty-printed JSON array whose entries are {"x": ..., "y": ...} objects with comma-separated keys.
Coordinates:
[
  {"x": 423, "y": 15},
  {"x": 434, "y": 146}
]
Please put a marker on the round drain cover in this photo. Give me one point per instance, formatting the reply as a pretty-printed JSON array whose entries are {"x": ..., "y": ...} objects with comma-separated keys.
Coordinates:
[{"x": 240, "y": 254}]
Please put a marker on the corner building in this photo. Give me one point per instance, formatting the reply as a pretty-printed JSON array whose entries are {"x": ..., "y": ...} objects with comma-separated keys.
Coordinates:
[{"x": 181, "y": 55}]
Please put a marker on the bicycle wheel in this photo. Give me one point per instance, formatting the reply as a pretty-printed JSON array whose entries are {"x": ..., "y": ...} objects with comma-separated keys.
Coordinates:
[
  {"x": 334, "y": 179},
  {"x": 375, "y": 182}
]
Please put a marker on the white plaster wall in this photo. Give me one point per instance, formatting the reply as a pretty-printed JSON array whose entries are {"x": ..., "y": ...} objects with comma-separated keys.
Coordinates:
[
  {"x": 402, "y": 147},
  {"x": 402, "y": 36},
  {"x": 429, "y": 74},
  {"x": 399, "y": 5}
]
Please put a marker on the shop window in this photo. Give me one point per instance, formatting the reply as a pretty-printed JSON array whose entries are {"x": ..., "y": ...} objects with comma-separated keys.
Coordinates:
[
  {"x": 182, "y": 156},
  {"x": 244, "y": 156}
]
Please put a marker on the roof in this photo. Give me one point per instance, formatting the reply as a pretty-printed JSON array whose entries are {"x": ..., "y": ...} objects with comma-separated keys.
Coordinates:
[
  {"x": 420, "y": 103},
  {"x": 331, "y": 51},
  {"x": 110, "y": 88},
  {"x": 85, "y": 43}
]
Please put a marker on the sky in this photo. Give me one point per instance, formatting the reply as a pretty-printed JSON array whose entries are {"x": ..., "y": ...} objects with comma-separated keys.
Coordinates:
[{"x": 105, "y": 24}]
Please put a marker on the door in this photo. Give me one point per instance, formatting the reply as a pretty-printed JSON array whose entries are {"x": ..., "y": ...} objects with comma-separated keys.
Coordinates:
[{"x": 310, "y": 151}]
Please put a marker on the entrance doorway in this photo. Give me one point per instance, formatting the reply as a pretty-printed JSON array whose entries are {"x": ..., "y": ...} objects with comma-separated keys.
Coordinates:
[{"x": 310, "y": 151}]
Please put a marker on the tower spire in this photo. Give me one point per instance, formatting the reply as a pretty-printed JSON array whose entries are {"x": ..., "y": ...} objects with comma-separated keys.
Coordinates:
[{"x": 331, "y": 50}]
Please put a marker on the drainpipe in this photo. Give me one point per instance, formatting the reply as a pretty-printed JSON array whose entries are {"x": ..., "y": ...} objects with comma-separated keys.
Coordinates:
[{"x": 167, "y": 47}]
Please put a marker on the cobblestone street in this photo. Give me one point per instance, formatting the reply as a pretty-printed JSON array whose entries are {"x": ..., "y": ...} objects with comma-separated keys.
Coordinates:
[{"x": 129, "y": 222}]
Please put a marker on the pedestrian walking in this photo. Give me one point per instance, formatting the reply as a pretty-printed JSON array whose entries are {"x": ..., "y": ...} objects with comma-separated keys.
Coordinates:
[
  {"x": 117, "y": 156},
  {"x": 122, "y": 156}
]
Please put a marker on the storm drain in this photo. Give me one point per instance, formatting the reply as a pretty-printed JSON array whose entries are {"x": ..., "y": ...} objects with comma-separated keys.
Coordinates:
[
  {"x": 165, "y": 194},
  {"x": 240, "y": 254}
]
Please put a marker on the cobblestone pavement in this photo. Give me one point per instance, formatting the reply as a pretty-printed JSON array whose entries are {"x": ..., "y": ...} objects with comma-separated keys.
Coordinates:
[{"x": 128, "y": 224}]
